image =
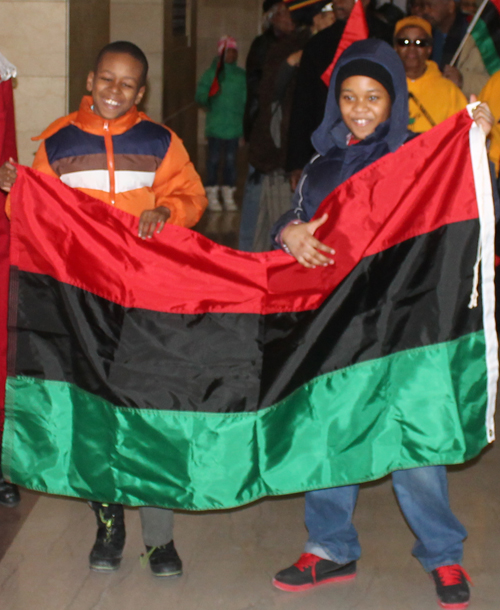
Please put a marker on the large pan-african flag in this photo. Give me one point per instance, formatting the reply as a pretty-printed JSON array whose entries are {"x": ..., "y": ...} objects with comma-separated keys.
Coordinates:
[{"x": 180, "y": 373}]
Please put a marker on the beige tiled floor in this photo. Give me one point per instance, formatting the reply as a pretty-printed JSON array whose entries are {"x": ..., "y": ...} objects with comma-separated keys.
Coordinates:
[{"x": 230, "y": 556}]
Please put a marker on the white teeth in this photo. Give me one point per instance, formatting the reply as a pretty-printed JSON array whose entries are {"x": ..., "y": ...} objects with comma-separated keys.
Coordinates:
[{"x": 111, "y": 102}]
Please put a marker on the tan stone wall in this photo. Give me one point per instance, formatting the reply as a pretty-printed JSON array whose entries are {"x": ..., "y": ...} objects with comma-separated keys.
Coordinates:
[
  {"x": 141, "y": 22},
  {"x": 216, "y": 18},
  {"x": 33, "y": 36}
]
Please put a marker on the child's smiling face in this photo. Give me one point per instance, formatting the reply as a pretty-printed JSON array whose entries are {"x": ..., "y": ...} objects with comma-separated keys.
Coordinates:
[
  {"x": 116, "y": 85},
  {"x": 364, "y": 104}
]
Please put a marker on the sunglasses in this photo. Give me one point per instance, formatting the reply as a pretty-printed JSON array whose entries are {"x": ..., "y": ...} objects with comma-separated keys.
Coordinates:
[{"x": 420, "y": 43}]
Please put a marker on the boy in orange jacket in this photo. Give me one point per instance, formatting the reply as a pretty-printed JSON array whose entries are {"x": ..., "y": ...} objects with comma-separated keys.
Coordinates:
[{"x": 115, "y": 153}]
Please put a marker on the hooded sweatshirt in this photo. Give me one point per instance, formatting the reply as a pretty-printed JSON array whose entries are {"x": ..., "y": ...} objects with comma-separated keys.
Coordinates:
[{"x": 335, "y": 160}]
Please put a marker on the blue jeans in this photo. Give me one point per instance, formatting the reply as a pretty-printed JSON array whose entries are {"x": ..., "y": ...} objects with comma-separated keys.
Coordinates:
[
  {"x": 250, "y": 209},
  {"x": 423, "y": 497},
  {"x": 217, "y": 147}
]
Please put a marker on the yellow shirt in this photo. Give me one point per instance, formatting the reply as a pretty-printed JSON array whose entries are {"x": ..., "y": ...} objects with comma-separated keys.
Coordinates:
[
  {"x": 435, "y": 96},
  {"x": 491, "y": 95}
]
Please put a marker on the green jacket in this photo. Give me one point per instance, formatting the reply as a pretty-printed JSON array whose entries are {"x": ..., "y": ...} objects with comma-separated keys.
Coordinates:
[{"x": 224, "y": 110}]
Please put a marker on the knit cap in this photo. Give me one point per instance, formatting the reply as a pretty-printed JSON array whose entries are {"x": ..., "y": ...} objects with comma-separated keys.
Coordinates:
[
  {"x": 225, "y": 43},
  {"x": 413, "y": 21},
  {"x": 365, "y": 67}
]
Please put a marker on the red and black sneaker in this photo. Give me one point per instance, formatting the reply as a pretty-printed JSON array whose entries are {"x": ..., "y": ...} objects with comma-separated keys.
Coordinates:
[
  {"x": 451, "y": 586},
  {"x": 311, "y": 570}
]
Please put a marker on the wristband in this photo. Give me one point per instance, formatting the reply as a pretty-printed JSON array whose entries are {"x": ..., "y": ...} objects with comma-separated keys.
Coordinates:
[{"x": 284, "y": 247}]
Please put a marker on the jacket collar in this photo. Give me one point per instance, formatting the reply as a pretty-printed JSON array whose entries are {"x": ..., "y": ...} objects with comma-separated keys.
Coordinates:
[
  {"x": 86, "y": 119},
  {"x": 90, "y": 122}
]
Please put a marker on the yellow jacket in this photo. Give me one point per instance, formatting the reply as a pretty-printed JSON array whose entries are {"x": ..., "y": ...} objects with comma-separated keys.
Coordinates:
[
  {"x": 491, "y": 95},
  {"x": 435, "y": 95}
]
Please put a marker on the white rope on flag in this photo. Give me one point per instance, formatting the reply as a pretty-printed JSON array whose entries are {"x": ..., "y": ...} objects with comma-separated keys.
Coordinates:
[{"x": 486, "y": 253}]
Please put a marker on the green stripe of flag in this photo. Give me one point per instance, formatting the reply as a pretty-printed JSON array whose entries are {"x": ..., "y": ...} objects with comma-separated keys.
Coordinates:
[
  {"x": 424, "y": 406},
  {"x": 486, "y": 47}
]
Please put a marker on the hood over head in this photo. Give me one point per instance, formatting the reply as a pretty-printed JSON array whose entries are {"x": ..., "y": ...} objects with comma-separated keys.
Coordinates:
[{"x": 333, "y": 131}]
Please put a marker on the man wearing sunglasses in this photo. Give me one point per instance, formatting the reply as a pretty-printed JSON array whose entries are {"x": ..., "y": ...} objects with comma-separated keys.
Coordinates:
[{"x": 432, "y": 97}]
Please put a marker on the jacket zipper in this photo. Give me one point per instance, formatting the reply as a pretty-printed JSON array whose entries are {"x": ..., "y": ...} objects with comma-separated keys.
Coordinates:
[{"x": 110, "y": 158}]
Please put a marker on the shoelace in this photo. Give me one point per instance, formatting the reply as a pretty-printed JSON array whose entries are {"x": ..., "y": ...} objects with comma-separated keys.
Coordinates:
[
  {"x": 307, "y": 560},
  {"x": 144, "y": 558},
  {"x": 452, "y": 575},
  {"x": 107, "y": 522}
]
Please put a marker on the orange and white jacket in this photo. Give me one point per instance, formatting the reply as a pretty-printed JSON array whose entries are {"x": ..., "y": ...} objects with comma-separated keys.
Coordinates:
[{"x": 131, "y": 163}]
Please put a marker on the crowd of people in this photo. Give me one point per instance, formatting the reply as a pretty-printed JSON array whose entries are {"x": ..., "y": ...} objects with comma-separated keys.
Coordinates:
[
  {"x": 286, "y": 95},
  {"x": 304, "y": 139}
]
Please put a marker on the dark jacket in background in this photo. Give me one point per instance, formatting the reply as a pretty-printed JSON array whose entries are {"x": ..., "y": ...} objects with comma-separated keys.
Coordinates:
[
  {"x": 453, "y": 40},
  {"x": 310, "y": 92},
  {"x": 254, "y": 67},
  {"x": 264, "y": 154}
]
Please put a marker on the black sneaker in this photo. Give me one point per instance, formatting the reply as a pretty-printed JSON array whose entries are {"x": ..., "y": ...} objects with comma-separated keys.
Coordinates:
[
  {"x": 106, "y": 553},
  {"x": 451, "y": 586},
  {"x": 310, "y": 571},
  {"x": 9, "y": 494},
  {"x": 163, "y": 560}
]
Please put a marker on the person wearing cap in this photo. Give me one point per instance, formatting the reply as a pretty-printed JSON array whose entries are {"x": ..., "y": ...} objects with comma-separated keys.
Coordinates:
[
  {"x": 366, "y": 117},
  {"x": 432, "y": 97},
  {"x": 224, "y": 126}
]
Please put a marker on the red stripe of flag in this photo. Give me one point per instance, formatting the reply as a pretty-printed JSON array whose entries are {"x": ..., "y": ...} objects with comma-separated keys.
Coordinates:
[{"x": 78, "y": 240}]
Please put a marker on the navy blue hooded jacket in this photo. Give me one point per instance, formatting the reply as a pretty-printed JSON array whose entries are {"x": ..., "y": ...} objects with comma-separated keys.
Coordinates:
[{"x": 336, "y": 161}]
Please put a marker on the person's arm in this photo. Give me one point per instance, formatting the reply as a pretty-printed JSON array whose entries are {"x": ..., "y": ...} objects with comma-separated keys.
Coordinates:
[
  {"x": 309, "y": 95},
  {"x": 9, "y": 172},
  {"x": 294, "y": 231},
  {"x": 299, "y": 241},
  {"x": 178, "y": 189},
  {"x": 203, "y": 88},
  {"x": 41, "y": 161},
  {"x": 482, "y": 115},
  {"x": 254, "y": 64}
]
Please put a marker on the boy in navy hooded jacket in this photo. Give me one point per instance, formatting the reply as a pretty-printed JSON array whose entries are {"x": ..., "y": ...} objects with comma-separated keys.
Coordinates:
[{"x": 366, "y": 117}]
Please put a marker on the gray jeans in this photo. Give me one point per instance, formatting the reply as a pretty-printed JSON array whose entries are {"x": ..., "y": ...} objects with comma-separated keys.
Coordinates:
[{"x": 157, "y": 525}]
